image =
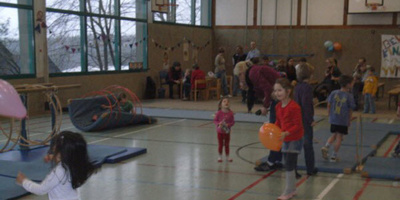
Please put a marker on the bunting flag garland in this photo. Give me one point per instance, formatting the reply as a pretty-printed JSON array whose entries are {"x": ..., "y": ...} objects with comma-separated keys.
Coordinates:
[
  {"x": 184, "y": 40},
  {"x": 43, "y": 25}
]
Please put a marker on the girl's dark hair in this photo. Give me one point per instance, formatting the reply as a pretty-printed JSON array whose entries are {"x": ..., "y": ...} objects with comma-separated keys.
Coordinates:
[
  {"x": 285, "y": 83},
  {"x": 71, "y": 148},
  {"x": 220, "y": 102},
  {"x": 221, "y": 50}
]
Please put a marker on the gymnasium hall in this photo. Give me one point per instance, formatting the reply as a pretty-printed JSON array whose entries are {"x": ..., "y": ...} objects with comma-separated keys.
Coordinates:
[{"x": 72, "y": 65}]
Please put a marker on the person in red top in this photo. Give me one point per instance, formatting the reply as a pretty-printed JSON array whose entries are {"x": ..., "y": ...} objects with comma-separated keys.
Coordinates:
[
  {"x": 224, "y": 120},
  {"x": 197, "y": 74},
  {"x": 288, "y": 118}
]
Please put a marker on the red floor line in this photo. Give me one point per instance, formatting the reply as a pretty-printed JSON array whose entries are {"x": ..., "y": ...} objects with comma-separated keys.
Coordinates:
[
  {"x": 302, "y": 180},
  {"x": 252, "y": 185},
  {"x": 374, "y": 120},
  {"x": 392, "y": 146},
  {"x": 353, "y": 118},
  {"x": 361, "y": 191}
]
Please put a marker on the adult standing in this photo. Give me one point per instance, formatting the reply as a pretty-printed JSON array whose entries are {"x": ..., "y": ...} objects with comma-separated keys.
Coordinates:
[
  {"x": 220, "y": 70},
  {"x": 236, "y": 58},
  {"x": 359, "y": 75},
  {"x": 254, "y": 52},
  {"x": 261, "y": 80}
]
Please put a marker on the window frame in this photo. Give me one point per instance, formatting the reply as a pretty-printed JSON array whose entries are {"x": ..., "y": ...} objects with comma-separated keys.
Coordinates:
[
  {"x": 83, "y": 15},
  {"x": 31, "y": 35}
]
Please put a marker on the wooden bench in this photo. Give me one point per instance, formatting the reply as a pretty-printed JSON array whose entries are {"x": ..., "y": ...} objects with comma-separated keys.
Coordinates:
[
  {"x": 395, "y": 92},
  {"x": 381, "y": 89}
]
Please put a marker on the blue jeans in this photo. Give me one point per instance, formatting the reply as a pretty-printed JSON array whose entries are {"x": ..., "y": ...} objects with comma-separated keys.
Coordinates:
[
  {"x": 272, "y": 112},
  {"x": 369, "y": 103},
  {"x": 186, "y": 89},
  {"x": 224, "y": 83},
  {"x": 236, "y": 88},
  {"x": 308, "y": 148},
  {"x": 275, "y": 156}
]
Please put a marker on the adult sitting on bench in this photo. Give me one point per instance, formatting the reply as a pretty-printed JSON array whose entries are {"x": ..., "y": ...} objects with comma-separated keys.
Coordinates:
[{"x": 329, "y": 83}]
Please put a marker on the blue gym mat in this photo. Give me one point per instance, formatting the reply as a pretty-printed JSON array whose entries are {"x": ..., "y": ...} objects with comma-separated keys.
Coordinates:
[
  {"x": 373, "y": 136},
  {"x": 30, "y": 162},
  {"x": 374, "y": 166},
  {"x": 9, "y": 189}
]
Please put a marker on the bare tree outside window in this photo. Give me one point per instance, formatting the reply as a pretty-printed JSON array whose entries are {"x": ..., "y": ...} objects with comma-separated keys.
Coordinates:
[
  {"x": 16, "y": 49},
  {"x": 101, "y": 36}
]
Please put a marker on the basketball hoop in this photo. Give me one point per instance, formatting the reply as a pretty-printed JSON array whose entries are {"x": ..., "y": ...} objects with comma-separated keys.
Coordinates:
[
  {"x": 373, "y": 6},
  {"x": 161, "y": 6}
]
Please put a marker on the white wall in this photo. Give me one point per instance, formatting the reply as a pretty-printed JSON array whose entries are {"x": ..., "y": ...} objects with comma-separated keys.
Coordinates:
[
  {"x": 370, "y": 19},
  {"x": 266, "y": 9},
  {"x": 322, "y": 12},
  {"x": 233, "y": 12}
]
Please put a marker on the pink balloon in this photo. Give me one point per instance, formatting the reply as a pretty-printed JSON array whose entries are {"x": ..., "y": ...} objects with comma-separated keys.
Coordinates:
[{"x": 10, "y": 102}]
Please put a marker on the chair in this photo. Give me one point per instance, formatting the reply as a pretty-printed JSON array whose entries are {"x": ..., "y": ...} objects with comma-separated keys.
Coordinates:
[
  {"x": 197, "y": 90},
  {"x": 229, "y": 81},
  {"x": 213, "y": 86}
]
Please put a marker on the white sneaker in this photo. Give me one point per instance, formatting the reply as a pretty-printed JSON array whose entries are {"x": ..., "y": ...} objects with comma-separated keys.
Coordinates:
[{"x": 334, "y": 159}]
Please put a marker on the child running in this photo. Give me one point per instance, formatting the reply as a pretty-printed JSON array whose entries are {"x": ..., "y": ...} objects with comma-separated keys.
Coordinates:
[
  {"x": 340, "y": 106},
  {"x": 288, "y": 118},
  {"x": 71, "y": 168},
  {"x": 224, "y": 120}
]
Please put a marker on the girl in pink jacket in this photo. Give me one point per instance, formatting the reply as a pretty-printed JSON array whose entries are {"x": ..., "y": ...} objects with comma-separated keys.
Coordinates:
[{"x": 224, "y": 120}]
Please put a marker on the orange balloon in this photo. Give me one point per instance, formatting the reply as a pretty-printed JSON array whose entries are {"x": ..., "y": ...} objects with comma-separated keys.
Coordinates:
[
  {"x": 270, "y": 136},
  {"x": 337, "y": 46}
]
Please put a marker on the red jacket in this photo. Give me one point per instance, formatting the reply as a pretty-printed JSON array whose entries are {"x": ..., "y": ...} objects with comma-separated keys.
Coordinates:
[
  {"x": 198, "y": 75},
  {"x": 289, "y": 119},
  {"x": 263, "y": 79}
]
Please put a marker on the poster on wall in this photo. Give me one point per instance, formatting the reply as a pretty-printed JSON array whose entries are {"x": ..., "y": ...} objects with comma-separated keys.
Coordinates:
[{"x": 390, "y": 56}]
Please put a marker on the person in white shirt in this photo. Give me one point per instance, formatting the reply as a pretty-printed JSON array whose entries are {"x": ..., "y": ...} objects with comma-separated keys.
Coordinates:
[
  {"x": 70, "y": 172},
  {"x": 254, "y": 52}
]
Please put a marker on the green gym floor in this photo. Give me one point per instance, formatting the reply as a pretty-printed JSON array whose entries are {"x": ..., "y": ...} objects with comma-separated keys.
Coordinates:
[{"x": 181, "y": 162}]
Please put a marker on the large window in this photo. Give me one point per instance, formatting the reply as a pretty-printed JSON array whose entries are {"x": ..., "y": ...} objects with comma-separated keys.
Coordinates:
[
  {"x": 190, "y": 12},
  {"x": 97, "y": 35},
  {"x": 16, "y": 38}
]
